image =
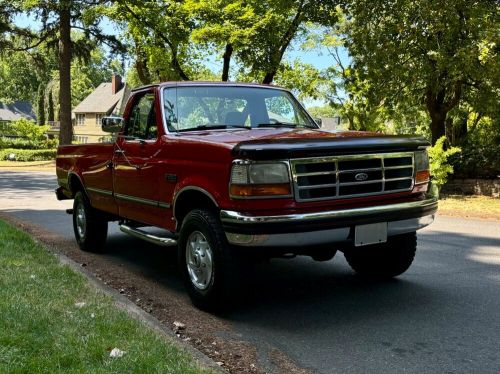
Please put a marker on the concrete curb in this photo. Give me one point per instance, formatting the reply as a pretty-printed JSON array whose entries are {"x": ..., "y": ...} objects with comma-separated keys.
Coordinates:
[{"x": 125, "y": 304}]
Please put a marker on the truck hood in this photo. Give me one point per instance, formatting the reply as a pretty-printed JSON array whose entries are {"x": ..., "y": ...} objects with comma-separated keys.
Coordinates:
[{"x": 286, "y": 143}]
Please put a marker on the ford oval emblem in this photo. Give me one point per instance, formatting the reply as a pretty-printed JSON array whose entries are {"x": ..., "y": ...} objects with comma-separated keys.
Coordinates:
[{"x": 361, "y": 177}]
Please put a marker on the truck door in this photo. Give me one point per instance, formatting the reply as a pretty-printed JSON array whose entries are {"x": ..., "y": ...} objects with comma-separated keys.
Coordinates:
[{"x": 136, "y": 164}]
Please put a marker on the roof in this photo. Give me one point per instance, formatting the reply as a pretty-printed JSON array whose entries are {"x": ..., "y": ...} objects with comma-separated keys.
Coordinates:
[
  {"x": 101, "y": 100},
  {"x": 16, "y": 110}
]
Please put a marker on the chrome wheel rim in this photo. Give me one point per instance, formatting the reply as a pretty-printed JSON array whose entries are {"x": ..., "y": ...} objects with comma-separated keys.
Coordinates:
[
  {"x": 199, "y": 260},
  {"x": 81, "y": 221}
]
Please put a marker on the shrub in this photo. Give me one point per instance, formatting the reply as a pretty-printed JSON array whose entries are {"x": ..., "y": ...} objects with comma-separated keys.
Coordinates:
[
  {"x": 30, "y": 130},
  {"x": 480, "y": 156},
  {"x": 28, "y": 135},
  {"x": 17, "y": 143},
  {"x": 28, "y": 154},
  {"x": 438, "y": 158},
  {"x": 23, "y": 143}
]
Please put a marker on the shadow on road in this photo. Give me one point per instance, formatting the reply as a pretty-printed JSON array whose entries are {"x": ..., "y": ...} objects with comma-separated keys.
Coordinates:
[
  {"x": 278, "y": 293},
  {"x": 30, "y": 183}
]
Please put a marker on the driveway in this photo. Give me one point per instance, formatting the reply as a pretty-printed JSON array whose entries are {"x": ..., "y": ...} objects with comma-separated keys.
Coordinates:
[{"x": 303, "y": 316}]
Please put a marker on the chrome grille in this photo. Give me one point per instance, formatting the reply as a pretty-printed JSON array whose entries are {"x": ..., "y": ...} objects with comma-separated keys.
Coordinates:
[{"x": 325, "y": 178}]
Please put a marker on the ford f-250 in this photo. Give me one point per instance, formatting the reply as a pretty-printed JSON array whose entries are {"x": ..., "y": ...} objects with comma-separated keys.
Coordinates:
[{"x": 225, "y": 169}]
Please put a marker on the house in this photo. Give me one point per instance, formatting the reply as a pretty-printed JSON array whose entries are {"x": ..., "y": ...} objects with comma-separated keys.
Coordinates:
[
  {"x": 106, "y": 100},
  {"x": 13, "y": 112}
]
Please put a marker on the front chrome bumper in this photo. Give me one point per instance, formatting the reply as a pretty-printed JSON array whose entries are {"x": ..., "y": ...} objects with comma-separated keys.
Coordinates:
[{"x": 324, "y": 227}]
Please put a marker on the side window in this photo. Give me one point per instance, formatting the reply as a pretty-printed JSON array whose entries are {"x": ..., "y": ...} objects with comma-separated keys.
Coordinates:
[{"x": 142, "y": 121}]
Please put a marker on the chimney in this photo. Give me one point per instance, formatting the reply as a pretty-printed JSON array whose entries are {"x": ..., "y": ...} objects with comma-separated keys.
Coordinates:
[{"x": 116, "y": 83}]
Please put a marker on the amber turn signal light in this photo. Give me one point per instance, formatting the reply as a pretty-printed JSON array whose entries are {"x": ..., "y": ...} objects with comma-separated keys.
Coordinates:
[
  {"x": 422, "y": 176},
  {"x": 249, "y": 190}
]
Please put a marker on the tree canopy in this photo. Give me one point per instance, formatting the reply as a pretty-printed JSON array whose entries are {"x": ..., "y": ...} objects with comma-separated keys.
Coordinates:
[
  {"x": 172, "y": 40},
  {"x": 422, "y": 66},
  {"x": 434, "y": 53}
]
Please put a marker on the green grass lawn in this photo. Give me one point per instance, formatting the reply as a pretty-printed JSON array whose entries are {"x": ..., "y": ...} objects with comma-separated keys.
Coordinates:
[{"x": 46, "y": 328}]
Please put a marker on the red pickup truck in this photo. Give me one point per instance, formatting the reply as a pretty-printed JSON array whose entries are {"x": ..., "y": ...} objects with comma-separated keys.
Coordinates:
[{"x": 225, "y": 170}]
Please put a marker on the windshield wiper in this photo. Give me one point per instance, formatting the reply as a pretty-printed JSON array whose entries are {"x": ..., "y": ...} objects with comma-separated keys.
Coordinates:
[
  {"x": 277, "y": 124},
  {"x": 214, "y": 127}
]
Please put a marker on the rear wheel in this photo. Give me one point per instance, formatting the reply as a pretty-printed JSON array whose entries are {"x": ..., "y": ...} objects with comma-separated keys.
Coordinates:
[
  {"x": 90, "y": 227},
  {"x": 385, "y": 260},
  {"x": 206, "y": 261}
]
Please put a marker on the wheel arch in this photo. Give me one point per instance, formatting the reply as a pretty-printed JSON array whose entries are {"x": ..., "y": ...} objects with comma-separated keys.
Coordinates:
[
  {"x": 75, "y": 184},
  {"x": 189, "y": 198}
]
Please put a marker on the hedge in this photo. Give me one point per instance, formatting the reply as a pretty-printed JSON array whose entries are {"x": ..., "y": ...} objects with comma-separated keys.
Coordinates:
[
  {"x": 23, "y": 143},
  {"x": 28, "y": 154}
]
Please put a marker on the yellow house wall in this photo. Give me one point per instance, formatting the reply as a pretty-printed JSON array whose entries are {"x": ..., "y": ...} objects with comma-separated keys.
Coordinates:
[{"x": 89, "y": 129}]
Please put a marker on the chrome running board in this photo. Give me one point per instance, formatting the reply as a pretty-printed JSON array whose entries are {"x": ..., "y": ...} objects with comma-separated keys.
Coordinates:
[{"x": 140, "y": 234}]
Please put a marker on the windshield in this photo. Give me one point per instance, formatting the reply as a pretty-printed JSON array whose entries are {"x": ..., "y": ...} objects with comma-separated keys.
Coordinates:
[{"x": 215, "y": 107}]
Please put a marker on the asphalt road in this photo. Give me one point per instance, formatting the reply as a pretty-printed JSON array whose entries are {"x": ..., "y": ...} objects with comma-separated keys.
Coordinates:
[{"x": 443, "y": 315}]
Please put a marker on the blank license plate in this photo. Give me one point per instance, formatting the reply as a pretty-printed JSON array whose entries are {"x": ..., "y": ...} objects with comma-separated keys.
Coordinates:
[{"x": 373, "y": 233}]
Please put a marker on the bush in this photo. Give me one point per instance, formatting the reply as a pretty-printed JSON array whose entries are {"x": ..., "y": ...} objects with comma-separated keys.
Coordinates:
[
  {"x": 28, "y": 154},
  {"x": 29, "y": 135},
  {"x": 30, "y": 130},
  {"x": 480, "y": 156},
  {"x": 438, "y": 158}
]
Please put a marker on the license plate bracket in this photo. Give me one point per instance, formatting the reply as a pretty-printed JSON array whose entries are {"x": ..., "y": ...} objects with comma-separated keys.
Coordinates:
[{"x": 373, "y": 233}]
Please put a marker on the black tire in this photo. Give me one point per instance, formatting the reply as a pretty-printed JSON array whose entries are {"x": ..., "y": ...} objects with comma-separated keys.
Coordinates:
[
  {"x": 203, "y": 242},
  {"x": 323, "y": 253},
  {"x": 89, "y": 225},
  {"x": 385, "y": 260}
]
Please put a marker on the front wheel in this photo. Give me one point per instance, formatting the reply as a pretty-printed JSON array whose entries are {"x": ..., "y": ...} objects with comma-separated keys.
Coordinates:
[
  {"x": 384, "y": 260},
  {"x": 90, "y": 227},
  {"x": 206, "y": 261}
]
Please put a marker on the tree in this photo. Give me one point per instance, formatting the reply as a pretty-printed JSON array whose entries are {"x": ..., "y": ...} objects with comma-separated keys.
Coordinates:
[
  {"x": 50, "y": 108},
  {"x": 426, "y": 52},
  {"x": 22, "y": 72},
  {"x": 157, "y": 29},
  {"x": 172, "y": 39},
  {"x": 40, "y": 110},
  {"x": 88, "y": 73},
  {"x": 57, "y": 19},
  {"x": 351, "y": 94}
]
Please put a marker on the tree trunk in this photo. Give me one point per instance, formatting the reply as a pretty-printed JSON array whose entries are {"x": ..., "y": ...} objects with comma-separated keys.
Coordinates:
[
  {"x": 141, "y": 64},
  {"x": 66, "y": 130},
  {"x": 227, "y": 59},
  {"x": 269, "y": 77},
  {"x": 437, "y": 111},
  {"x": 177, "y": 65},
  {"x": 284, "y": 43},
  {"x": 438, "y": 107},
  {"x": 438, "y": 121}
]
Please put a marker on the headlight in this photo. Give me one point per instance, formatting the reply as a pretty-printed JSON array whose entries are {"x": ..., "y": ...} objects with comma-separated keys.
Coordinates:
[
  {"x": 268, "y": 173},
  {"x": 422, "y": 174},
  {"x": 270, "y": 179}
]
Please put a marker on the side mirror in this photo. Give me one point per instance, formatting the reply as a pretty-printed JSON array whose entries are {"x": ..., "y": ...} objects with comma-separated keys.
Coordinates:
[
  {"x": 319, "y": 121},
  {"x": 112, "y": 124}
]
